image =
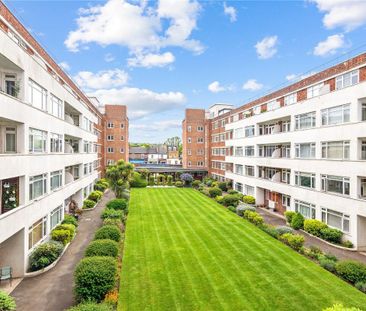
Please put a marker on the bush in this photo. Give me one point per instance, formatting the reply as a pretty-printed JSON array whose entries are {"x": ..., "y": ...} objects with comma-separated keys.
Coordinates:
[
  {"x": 196, "y": 184},
  {"x": 284, "y": 229},
  {"x": 186, "y": 178},
  {"x": 253, "y": 217},
  {"x": 351, "y": 271},
  {"x": 327, "y": 264},
  {"x": 232, "y": 191},
  {"x": 69, "y": 219},
  {"x": 331, "y": 235},
  {"x": 295, "y": 241},
  {"x": 297, "y": 221},
  {"x": 219, "y": 199},
  {"x": 340, "y": 307},
  {"x": 361, "y": 286},
  {"x": 94, "y": 277},
  {"x": 289, "y": 215},
  {"x": 107, "y": 248},
  {"x": 112, "y": 213},
  {"x": 100, "y": 187},
  {"x": 88, "y": 204},
  {"x": 63, "y": 236},
  {"x": 44, "y": 255},
  {"x": 110, "y": 232},
  {"x": 151, "y": 180},
  {"x": 314, "y": 252},
  {"x": 178, "y": 184},
  {"x": 214, "y": 192},
  {"x": 248, "y": 199},
  {"x": 232, "y": 209},
  {"x": 112, "y": 221},
  {"x": 222, "y": 185},
  {"x": 170, "y": 180},
  {"x": 91, "y": 306},
  {"x": 7, "y": 303},
  {"x": 95, "y": 195},
  {"x": 68, "y": 227},
  {"x": 271, "y": 230},
  {"x": 348, "y": 244},
  {"x": 117, "y": 204},
  {"x": 314, "y": 226},
  {"x": 208, "y": 181},
  {"x": 230, "y": 200},
  {"x": 240, "y": 210},
  {"x": 112, "y": 297},
  {"x": 138, "y": 181}
]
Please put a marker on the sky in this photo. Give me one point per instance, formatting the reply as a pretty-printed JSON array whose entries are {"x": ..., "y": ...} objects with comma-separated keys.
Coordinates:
[{"x": 160, "y": 57}]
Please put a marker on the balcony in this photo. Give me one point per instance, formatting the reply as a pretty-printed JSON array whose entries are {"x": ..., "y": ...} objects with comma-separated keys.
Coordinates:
[
  {"x": 10, "y": 194},
  {"x": 275, "y": 126},
  {"x": 72, "y": 116},
  {"x": 11, "y": 78},
  {"x": 11, "y": 137},
  {"x": 274, "y": 174},
  {"x": 72, "y": 173},
  {"x": 275, "y": 151},
  {"x": 72, "y": 144}
]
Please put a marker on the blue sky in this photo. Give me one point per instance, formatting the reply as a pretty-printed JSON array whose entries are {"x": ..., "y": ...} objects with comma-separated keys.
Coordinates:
[{"x": 160, "y": 57}]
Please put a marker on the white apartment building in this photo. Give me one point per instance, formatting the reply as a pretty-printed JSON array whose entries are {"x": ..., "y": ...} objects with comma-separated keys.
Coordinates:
[
  {"x": 47, "y": 144},
  {"x": 305, "y": 150}
]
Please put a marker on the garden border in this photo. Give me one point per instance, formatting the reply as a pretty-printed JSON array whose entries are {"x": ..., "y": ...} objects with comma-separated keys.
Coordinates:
[{"x": 96, "y": 203}]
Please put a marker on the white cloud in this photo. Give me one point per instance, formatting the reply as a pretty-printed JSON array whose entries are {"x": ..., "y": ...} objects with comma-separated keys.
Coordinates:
[
  {"x": 290, "y": 77},
  {"x": 348, "y": 14},
  {"x": 141, "y": 102},
  {"x": 266, "y": 48},
  {"x": 141, "y": 27},
  {"x": 216, "y": 87},
  {"x": 330, "y": 45},
  {"x": 64, "y": 66},
  {"x": 231, "y": 12},
  {"x": 298, "y": 77},
  {"x": 252, "y": 85},
  {"x": 109, "y": 57},
  {"x": 151, "y": 60},
  {"x": 104, "y": 79}
]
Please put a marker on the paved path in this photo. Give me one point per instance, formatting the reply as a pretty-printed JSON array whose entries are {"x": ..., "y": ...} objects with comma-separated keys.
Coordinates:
[
  {"x": 53, "y": 290},
  {"x": 275, "y": 220}
]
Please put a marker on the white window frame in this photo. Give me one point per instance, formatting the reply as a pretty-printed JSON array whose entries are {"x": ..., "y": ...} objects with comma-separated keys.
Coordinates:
[
  {"x": 306, "y": 209},
  {"x": 56, "y": 106},
  {"x": 291, "y": 99},
  {"x": 326, "y": 114},
  {"x": 42, "y": 180},
  {"x": 325, "y": 179},
  {"x": 56, "y": 176},
  {"x": 42, "y": 136},
  {"x": 42, "y": 92},
  {"x": 41, "y": 222},
  {"x": 56, "y": 216},
  {"x": 344, "y": 219},
  {"x": 298, "y": 147},
  {"x": 314, "y": 91},
  {"x": 311, "y": 176},
  {"x": 305, "y": 121},
  {"x": 347, "y": 79},
  {"x": 56, "y": 143},
  {"x": 344, "y": 145}
]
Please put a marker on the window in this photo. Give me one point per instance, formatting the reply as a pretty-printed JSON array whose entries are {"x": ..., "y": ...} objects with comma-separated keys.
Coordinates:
[
  {"x": 286, "y": 151},
  {"x": 189, "y": 128},
  {"x": 200, "y": 152},
  {"x": 239, "y": 187},
  {"x": 286, "y": 176},
  {"x": 55, "y": 142},
  {"x": 249, "y": 170},
  {"x": 189, "y": 163},
  {"x": 363, "y": 187},
  {"x": 286, "y": 126},
  {"x": 189, "y": 140},
  {"x": 347, "y": 79},
  {"x": 335, "y": 184},
  {"x": 305, "y": 150},
  {"x": 363, "y": 112},
  {"x": 314, "y": 90},
  {"x": 110, "y": 162},
  {"x": 303, "y": 179},
  {"x": 336, "y": 219},
  {"x": 37, "y": 232},
  {"x": 56, "y": 106},
  {"x": 363, "y": 150},
  {"x": 110, "y": 150},
  {"x": 90, "y": 166},
  {"x": 335, "y": 150},
  {"x": 37, "y": 95},
  {"x": 286, "y": 201},
  {"x": 200, "y": 128},
  {"x": 110, "y": 124},
  {"x": 238, "y": 169},
  {"x": 10, "y": 140},
  {"x": 266, "y": 151},
  {"x": 290, "y": 99},
  {"x": 249, "y": 190},
  {"x": 306, "y": 209},
  {"x": 10, "y": 85},
  {"x": 122, "y": 138},
  {"x": 37, "y": 140},
  {"x": 56, "y": 180},
  {"x": 85, "y": 169},
  {"x": 56, "y": 217},
  {"x": 121, "y": 150},
  {"x": 274, "y": 104},
  {"x": 238, "y": 151},
  {"x": 87, "y": 148},
  {"x": 37, "y": 186},
  {"x": 110, "y": 137},
  {"x": 122, "y": 126},
  {"x": 249, "y": 151},
  {"x": 189, "y": 152},
  {"x": 305, "y": 121},
  {"x": 239, "y": 133},
  {"x": 336, "y": 115},
  {"x": 249, "y": 131},
  {"x": 87, "y": 124},
  {"x": 200, "y": 163},
  {"x": 200, "y": 140}
]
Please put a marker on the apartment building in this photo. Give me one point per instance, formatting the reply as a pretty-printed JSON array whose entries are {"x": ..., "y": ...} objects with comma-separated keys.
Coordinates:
[
  {"x": 49, "y": 135},
  {"x": 302, "y": 148}
]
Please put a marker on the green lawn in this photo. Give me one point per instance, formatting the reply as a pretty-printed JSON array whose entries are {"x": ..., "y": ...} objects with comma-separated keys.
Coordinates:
[{"x": 185, "y": 252}]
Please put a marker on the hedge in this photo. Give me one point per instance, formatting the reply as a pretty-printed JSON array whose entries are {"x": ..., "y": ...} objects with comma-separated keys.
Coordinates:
[
  {"x": 222, "y": 185},
  {"x": 295, "y": 241},
  {"x": 111, "y": 213},
  {"x": 94, "y": 277},
  {"x": 68, "y": 227},
  {"x": 230, "y": 200},
  {"x": 87, "y": 204},
  {"x": 254, "y": 217},
  {"x": 117, "y": 204},
  {"x": 92, "y": 306},
  {"x": 240, "y": 210},
  {"x": 284, "y": 229},
  {"x": 107, "y": 248},
  {"x": 196, "y": 183},
  {"x": 44, "y": 255},
  {"x": 112, "y": 221},
  {"x": 351, "y": 271},
  {"x": 289, "y": 215},
  {"x": 110, "y": 232},
  {"x": 178, "y": 184},
  {"x": 7, "y": 303},
  {"x": 331, "y": 235},
  {"x": 138, "y": 181},
  {"x": 214, "y": 192},
  {"x": 248, "y": 199},
  {"x": 63, "y": 236},
  {"x": 314, "y": 226},
  {"x": 95, "y": 195},
  {"x": 69, "y": 219},
  {"x": 297, "y": 221}
]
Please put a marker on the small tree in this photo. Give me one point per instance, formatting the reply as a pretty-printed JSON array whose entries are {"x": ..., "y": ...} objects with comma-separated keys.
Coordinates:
[
  {"x": 119, "y": 176},
  {"x": 186, "y": 178},
  {"x": 170, "y": 180}
]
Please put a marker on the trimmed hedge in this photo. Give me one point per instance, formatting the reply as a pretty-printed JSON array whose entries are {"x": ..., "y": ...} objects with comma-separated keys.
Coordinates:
[
  {"x": 314, "y": 226},
  {"x": 331, "y": 235},
  {"x": 248, "y": 199},
  {"x": 7, "y": 303},
  {"x": 69, "y": 219},
  {"x": 214, "y": 192},
  {"x": 138, "y": 181},
  {"x": 112, "y": 221},
  {"x": 351, "y": 271},
  {"x": 230, "y": 200},
  {"x": 118, "y": 204},
  {"x": 92, "y": 306},
  {"x": 107, "y": 248},
  {"x": 63, "y": 236},
  {"x": 254, "y": 217},
  {"x": 196, "y": 183},
  {"x": 295, "y": 241},
  {"x": 68, "y": 227},
  {"x": 44, "y": 255},
  {"x": 222, "y": 185},
  {"x": 94, "y": 277},
  {"x": 178, "y": 184},
  {"x": 111, "y": 213},
  {"x": 232, "y": 209},
  {"x": 110, "y": 232},
  {"x": 289, "y": 215},
  {"x": 284, "y": 229},
  {"x": 87, "y": 204},
  {"x": 240, "y": 210},
  {"x": 297, "y": 221},
  {"x": 328, "y": 264},
  {"x": 271, "y": 230}
]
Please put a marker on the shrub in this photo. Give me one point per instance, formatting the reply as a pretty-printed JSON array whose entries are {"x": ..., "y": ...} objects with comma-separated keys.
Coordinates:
[
  {"x": 112, "y": 213},
  {"x": 7, "y": 303},
  {"x": 107, "y": 248},
  {"x": 284, "y": 229},
  {"x": 113, "y": 222},
  {"x": 94, "y": 277},
  {"x": 138, "y": 181},
  {"x": 240, "y": 210},
  {"x": 222, "y": 185},
  {"x": 232, "y": 209},
  {"x": 327, "y": 264},
  {"x": 186, "y": 178},
  {"x": 230, "y": 200},
  {"x": 314, "y": 226},
  {"x": 63, "y": 236},
  {"x": 100, "y": 187},
  {"x": 295, "y": 241},
  {"x": 340, "y": 307},
  {"x": 253, "y": 217},
  {"x": 151, "y": 180},
  {"x": 208, "y": 181},
  {"x": 110, "y": 232},
  {"x": 92, "y": 306},
  {"x": 348, "y": 244},
  {"x": 331, "y": 257},
  {"x": 248, "y": 199},
  {"x": 313, "y": 252},
  {"x": 232, "y": 191},
  {"x": 331, "y": 235},
  {"x": 351, "y": 271},
  {"x": 69, "y": 219},
  {"x": 95, "y": 195},
  {"x": 289, "y": 215},
  {"x": 271, "y": 230},
  {"x": 214, "y": 192},
  {"x": 44, "y": 255},
  {"x": 117, "y": 204},
  {"x": 88, "y": 204},
  {"x": 361, "y": 286},
  {"x": 178, "y": 184},
  {"x": 196, "y": 184},
  {"x": 219, "y": 199},
  {"x": 112, "y": 297},
  {"x": 297, "y": 221},
  {"x": 68, "y": 227}
]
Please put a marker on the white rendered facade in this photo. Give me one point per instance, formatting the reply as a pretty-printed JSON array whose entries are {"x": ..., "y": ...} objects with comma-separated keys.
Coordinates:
[
  {"x": 311, "y": 156},
  {"x": 47, "y": 150}
]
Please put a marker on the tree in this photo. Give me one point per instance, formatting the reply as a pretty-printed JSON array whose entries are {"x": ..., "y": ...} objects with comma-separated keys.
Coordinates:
[
  {"x": 174, "y": 143},
  {"x": 119, "y": 176}
]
